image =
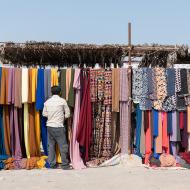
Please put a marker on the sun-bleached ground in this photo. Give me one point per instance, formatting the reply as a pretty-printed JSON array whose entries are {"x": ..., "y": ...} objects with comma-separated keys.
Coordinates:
[{"x": 116, "y": 178}]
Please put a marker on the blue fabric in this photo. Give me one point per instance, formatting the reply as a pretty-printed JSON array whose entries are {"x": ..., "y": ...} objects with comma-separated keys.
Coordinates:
[
  {"x": 44, "y": 133},
  {"x": 170, "y": 76},
  {"x": 155, "y": 123},
  {"x": 40, "y": 96},
  {"x": 4, "y": 157},
  {"x": 138, "y": 129},
  {"x": 169, "y": 129},
  {"x": 156, "y": 155},
  {"x": 40, "y": 99},
  {"x": 2, "y": 165}
]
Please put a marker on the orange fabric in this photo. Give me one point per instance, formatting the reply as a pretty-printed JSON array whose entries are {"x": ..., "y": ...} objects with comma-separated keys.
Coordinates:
[
  {"x": 4, "y": 86},
  {"x": 29, "y": 85},
  {"x": 32, "y": 163},
  {"x": 33, "y": 142},
  {"x": 9, "y": 165},
  {"x": 7, "y": 135},
  {"x": 165, "y": 137},
  {"x": 68, "y": 82},
  {"x": 148, "y": 141},
  {"x": 37, "y": 129},
  {"x": 159, "y": 137}
]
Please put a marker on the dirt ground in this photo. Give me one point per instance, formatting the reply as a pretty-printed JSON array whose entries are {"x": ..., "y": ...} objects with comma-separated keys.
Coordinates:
[{"x": 115, "y": 177}]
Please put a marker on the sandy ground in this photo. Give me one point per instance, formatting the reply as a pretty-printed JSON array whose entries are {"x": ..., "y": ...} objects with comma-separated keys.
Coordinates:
[{"x": 116, "y": 177}]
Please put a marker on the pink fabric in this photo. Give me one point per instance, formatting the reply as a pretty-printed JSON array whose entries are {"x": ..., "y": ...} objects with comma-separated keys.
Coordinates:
[{"x": 76, "y": 160}]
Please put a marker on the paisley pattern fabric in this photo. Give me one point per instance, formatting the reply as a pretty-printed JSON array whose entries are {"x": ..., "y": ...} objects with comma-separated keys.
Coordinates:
[
  {"x": 137, "y": 88},
  {"x": 161, "y": 86},
  {"x": 161, "y": 89},
  {"x": 187, "y": 98}
]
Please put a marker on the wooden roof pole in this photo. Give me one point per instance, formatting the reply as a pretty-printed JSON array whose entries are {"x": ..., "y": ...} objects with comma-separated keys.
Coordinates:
[{"x": 129, "y": 43}]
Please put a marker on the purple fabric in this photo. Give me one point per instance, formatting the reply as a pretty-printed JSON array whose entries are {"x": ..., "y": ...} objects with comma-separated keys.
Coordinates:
[
  {"x": 174, "y": 148},
  {"x": 18, "y": 152},
  {"x": 14, "y": 128},
  {"x": 173, "y": 136},
  {"x": 10, "y": 92},
  {"x": 184, "y": 133}
]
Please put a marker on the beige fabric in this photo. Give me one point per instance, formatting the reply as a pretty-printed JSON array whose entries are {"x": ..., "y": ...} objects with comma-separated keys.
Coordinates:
[{"x": 115, "y": 89}]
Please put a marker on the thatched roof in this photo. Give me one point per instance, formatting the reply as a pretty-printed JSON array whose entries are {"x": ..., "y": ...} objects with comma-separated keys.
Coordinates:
[{"x": 45, "y": 53}]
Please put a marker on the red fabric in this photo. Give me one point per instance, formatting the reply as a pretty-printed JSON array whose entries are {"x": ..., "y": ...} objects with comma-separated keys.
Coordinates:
[
  {"x": 185, "y": 156},
  {"x": 181, "y": 120},
  {"x": 85, "y": 118},
  {"x": 165, "y": 137},
  {"x": 148, "y": 145}
]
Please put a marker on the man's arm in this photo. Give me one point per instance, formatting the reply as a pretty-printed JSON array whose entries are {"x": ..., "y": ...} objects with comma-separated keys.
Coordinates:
[
  {"x": 45, "y": 113},
  {"x": 67, "y": 110}
]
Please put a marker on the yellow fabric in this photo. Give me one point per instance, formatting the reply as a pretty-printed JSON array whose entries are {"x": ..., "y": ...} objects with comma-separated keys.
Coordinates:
[
  {"x": 58, "y": 156},
  {"x": 34, "y": 84},
  {"x": 54, "y": 77},
  {"x": 68, "y": 82},
  {"x": 37, "y": 124},
  {"x": 41, "y": 163},
  {"x": 26, "y": 129}
]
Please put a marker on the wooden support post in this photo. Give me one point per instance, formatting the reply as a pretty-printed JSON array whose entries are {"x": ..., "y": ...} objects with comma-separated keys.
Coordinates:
[{"x": 129, "y": 43}]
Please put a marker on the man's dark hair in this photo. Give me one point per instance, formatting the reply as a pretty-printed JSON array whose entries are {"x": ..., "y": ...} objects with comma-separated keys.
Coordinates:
[{"x": 55, "y": 90}]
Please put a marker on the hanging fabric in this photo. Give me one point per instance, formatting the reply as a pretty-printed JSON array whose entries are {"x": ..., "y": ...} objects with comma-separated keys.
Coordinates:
[
  {"x": 75, "y": 157},
  {"x": 85, "y": 125}
]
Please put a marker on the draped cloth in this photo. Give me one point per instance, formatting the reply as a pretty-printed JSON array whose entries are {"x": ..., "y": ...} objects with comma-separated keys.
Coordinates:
[
  {"x": 26, "y": 130},
  {"x": 68, "y": 82},
  {"x": 148, "y": 140},
  {"x": 34, "y": 84},
  {"x": 54, "y": 77},
  {"x": 2, "y": 142},
  {"x": 115, "y": 89},
  {"x": 6, "y": 123},
  {"x": 32, "y": 133},
  {"x": 159, "y": 137},
  {"x": 18, "y": 87},
  {"x": 40, "y": 99},
  {"x": 62, "y": 80},
  {"x": 24, "y": 85},
  {"x": 76, "y": 160},
  {"x": 14, "y": 124},
  {"x": 71, "y": 96},
  {"x": 124, "y": 110},
  {"x": 4, "y": 86},
  {"x": 85, "y": 118},
  {"x": 48, "y": 82}
]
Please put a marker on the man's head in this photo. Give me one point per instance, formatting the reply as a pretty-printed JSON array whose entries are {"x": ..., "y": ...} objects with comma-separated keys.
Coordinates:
[{"x": 56, "y": 90}]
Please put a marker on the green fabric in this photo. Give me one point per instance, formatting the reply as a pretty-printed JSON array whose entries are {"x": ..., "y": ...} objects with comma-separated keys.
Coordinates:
[
  {"x": 71, "y": 97},
  {"x": 63, "y": 83}
]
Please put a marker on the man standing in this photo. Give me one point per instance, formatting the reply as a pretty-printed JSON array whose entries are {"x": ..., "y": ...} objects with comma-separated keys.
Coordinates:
[{"x": 56, "y": 110}]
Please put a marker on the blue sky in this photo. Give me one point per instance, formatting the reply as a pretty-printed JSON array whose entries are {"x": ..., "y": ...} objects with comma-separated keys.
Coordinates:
[{"x": 95, "y": 21}]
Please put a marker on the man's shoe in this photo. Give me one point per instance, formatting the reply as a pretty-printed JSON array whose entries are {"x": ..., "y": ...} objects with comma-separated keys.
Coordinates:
[{"x": 66, "y": 168}]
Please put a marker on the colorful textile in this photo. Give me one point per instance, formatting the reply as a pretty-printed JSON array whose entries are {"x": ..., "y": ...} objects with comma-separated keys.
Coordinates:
[
  {"x": 40, "y": 98},
  {"x": 115, "y": 89},
  {"x": 76, "y": 160}
]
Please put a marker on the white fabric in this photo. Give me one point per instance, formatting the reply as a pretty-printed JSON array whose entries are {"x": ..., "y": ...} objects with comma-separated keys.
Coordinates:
[
  {"x": 24, "y": 85},
  {"x": 56, "y": 110}
]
